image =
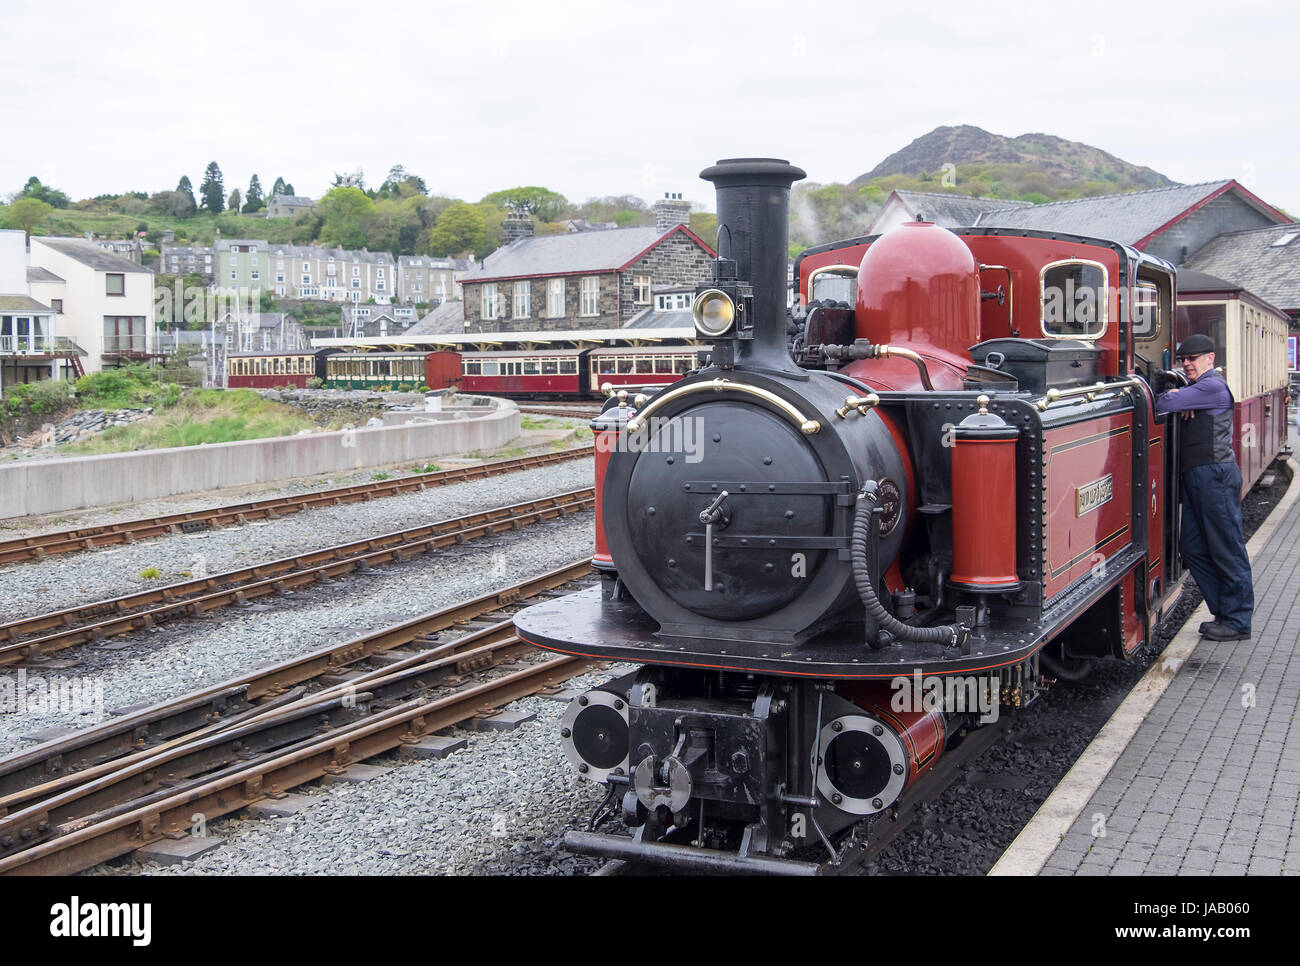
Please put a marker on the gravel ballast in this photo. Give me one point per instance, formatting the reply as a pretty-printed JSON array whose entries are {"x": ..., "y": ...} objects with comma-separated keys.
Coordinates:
[{"x": 67, "y": 580}]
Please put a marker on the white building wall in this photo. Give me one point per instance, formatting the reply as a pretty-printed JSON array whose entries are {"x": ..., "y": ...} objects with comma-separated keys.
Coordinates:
[
  {"x": 13, "y": 262},
  {"x": 85, "y": 302}
]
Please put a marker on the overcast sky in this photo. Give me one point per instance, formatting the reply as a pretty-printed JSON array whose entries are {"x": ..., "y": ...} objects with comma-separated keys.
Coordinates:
[{"x": 591, "y": 98}]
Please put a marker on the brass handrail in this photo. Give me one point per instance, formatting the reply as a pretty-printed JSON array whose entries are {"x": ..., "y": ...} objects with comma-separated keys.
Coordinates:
[
  {"x": 1090, "y": 392},
  {"x": 808, "y": 427}
]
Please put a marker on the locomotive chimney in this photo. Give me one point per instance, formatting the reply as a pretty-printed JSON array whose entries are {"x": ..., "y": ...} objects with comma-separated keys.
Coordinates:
[{"x": 753, "y": 230}]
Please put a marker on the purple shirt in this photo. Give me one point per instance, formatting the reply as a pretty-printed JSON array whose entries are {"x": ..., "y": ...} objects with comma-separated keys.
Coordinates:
[{"x": 1209, "y": 392}]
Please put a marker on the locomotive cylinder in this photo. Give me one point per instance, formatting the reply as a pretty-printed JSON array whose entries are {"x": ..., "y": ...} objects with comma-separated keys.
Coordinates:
[{"x": 984, "y": 503}]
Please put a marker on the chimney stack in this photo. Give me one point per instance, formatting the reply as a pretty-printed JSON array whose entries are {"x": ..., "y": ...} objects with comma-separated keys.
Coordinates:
[
  {"x": 671, "y": 211},
  {"x": 517, "y": 225}
]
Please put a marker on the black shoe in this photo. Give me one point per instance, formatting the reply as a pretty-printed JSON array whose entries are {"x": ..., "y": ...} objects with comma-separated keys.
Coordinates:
[
  {"x": 1223, "y": 632},
  {"x": 1205, "y": 625}
]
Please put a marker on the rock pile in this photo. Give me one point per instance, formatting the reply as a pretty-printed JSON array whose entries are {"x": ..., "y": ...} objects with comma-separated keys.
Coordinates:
[{"x": 83, "y": 425}]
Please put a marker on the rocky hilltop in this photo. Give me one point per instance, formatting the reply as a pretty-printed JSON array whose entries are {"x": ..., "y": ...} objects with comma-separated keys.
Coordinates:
[{"x": 1056, "y": 158}]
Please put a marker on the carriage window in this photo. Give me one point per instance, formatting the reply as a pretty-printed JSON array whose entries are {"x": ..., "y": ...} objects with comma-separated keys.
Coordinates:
[
  {"x": 568, "y": 367},
  {"x": 1206, "y": 319},
  {"x": 664, "y": 364},
  {"x": 473, "y": 368},
  {"x": 491, "y": 368},
  {"x": 1074, "y": 300},
  {"x": 550, "y": 367},
  {"x": 625, "y": 366},
  {"x": 532, "y": 368},
  {"x": 683, "y": 364},
  {"x": 644, "y": 366}
]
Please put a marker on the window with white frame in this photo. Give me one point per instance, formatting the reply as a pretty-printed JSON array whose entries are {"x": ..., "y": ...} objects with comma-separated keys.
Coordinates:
[
  {"x": 489, "y": 300},
  {"x": 674, "y": 300},
  {"x": 522, "y": 293},
  {"x": 641, "y": 287},
  {"x": 306, "y": 266},
  {"x": 590, "y": 304},
  {"x": 356, "y": 270},
  {"x": 555, "y": 298},
  {"x": 356, "y": 283}
]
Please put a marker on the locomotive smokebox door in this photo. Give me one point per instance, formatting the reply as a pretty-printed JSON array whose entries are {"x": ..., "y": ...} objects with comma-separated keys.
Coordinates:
[{"x": 741, "y": 555}]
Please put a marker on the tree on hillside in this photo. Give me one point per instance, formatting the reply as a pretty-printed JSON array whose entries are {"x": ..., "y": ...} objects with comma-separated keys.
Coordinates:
[
  {"x": 401, "y": 184},
  {"x": 288, "y": 189},
  {"x": 353, "y": 179},
  {"x": 278, "y": 188},
  {"x": 174, "y": 204},
  {"x": 235, "y": 201},
  {"x": 253, "y": 200},
  {"x": 459, "y": 229},
  {"x": 40, "y": 192},
  {"x": 213, "y": 190},
  {"x": 187, "y": 189},
  {"x": 346, "y": 212},
  {"x": 26, "y": 213},
  {"x": 544, "y": 204}
]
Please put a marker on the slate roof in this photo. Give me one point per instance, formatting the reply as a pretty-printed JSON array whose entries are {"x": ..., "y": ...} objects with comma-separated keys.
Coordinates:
[
  {"x": 568, "y": 254},
  {"x": 662, "y": 319},
  {"x": 954, "y": 211},
  {"x": 293, "y": 200},
  {"x": 37, "y": 274},
  {"x": 1128, "y": 218},
  {"x": 447, "y": 319},
  {"x": 1253, "y": 260},
  {"x": 90, "y": 254},
  {"x": 23, "y": 303}
]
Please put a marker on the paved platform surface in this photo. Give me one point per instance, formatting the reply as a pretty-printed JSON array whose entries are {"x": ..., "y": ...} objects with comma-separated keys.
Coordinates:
[{"x": 1209, "y": 780}]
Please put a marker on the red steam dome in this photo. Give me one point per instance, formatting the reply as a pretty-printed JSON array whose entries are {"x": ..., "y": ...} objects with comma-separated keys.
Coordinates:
[{"x": 919, "y": 287}]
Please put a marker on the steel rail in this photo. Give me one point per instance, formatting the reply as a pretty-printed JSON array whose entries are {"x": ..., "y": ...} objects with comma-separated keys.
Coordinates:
[
  {"x": 54, "y": 765},
  {"x": 129, "y": 531},
  {"x": 266, "y": 729},
  {"x": 99, "y": 838},
  {"x": 192, "y": 598}
]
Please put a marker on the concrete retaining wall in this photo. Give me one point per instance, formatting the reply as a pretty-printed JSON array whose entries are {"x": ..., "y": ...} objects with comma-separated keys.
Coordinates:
[{"x": 51, "y": 485}]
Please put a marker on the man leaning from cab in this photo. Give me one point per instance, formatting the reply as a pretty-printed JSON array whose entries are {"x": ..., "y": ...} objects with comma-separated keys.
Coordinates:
[{"x": 1212, "y": 543}]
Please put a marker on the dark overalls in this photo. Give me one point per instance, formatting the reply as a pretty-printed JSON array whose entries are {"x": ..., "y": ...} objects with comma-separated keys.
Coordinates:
[{"x": 1213, "y": 547}]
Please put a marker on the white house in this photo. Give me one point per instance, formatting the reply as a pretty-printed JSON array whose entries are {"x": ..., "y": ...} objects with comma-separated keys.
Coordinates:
[
  {"x": 104, "y": 303},
  {"x": 29, "y": 346}
]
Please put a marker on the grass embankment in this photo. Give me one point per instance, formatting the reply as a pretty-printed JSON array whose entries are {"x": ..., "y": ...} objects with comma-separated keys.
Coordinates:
[{"x": 202, "y": 416}]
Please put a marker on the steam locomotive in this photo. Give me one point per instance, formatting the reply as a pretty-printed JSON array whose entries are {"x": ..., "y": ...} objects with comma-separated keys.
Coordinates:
[{"x": 957, "y": 476}]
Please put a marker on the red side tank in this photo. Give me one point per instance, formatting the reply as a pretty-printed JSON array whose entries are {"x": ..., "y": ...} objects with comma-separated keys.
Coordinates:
[{"x": 919, "y": 287}]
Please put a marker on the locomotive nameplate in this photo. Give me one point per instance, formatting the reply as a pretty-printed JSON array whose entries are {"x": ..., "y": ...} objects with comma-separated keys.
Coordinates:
[{"x": 1092, "y": 495}]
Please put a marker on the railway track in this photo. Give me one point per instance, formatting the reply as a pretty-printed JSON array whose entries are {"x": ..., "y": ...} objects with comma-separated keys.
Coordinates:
[
  {"x": 89, "y": 538},
  {"x": 570, "y": 412},
  {"x": 33, "y": 638},
  {"x": 72, "y": 803}
]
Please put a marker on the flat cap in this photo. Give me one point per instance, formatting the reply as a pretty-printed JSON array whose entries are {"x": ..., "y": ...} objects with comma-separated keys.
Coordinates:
[{"x": 1195, "y": 345}]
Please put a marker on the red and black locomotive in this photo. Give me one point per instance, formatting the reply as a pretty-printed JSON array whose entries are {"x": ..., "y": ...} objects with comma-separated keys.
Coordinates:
[{"x": 956, "y": 475}]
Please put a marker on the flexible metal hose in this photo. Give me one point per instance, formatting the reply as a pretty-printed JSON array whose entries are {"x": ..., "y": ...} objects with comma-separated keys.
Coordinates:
[{"x": 939, "y": 634}]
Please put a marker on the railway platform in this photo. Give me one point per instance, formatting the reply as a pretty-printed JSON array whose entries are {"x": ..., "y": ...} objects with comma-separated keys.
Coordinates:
[{"x": 1198, "y": 771}]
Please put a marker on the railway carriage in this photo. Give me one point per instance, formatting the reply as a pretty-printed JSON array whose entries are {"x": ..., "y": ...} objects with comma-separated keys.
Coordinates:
[
  {"x": 1250, "y": 349},
  {"x": 552, "y": 373},
  {"x": 266, "y": 370},
  {"x": 393, "y": 370},
  {"x": 638, "y": 367},
  {"x": 958, "y": 476}
]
